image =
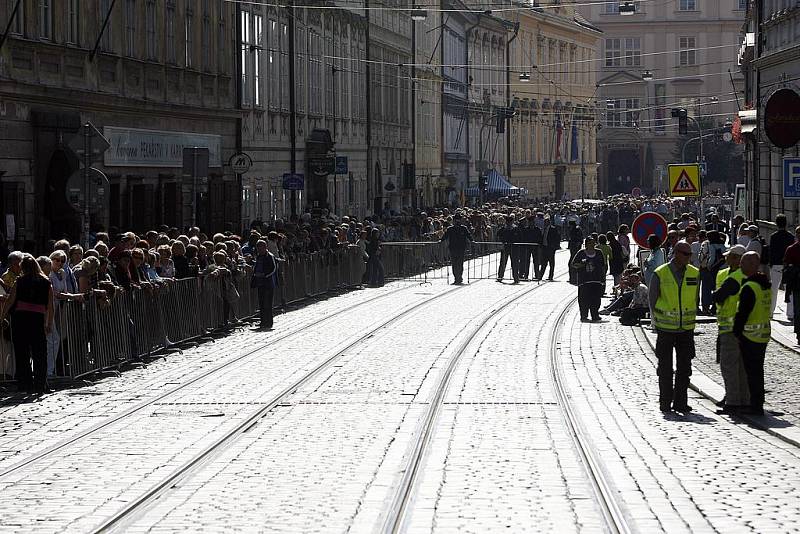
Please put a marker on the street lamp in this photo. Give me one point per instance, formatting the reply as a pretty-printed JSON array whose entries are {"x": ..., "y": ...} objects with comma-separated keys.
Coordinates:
[
  {"x": 627, "y": 8},
  {"x": 524, "y": 77},
  {"x": 647, "y": 76},
  {"x": 418, "y": 14}
]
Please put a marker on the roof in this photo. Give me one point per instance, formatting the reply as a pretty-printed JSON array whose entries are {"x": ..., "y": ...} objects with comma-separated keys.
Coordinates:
[{"x": 580, "y": 20}]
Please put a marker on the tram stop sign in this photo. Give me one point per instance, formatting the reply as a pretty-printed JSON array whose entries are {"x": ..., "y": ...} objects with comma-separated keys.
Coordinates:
[{"x": 648, "y": 224}]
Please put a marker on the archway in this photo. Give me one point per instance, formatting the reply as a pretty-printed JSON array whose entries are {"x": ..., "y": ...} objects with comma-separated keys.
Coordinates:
[{"x": 624, "y": 171}]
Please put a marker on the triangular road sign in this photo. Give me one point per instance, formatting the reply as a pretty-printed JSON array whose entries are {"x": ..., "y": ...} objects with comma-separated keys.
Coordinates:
[{"x": 684, "y": 185}]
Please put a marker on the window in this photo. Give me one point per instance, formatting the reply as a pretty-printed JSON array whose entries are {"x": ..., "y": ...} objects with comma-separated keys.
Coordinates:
[
  {"x": 18, "y": 26},
  {"x": 742, "y": 5},
  {"x": 205, "y": 37},
  {"x": 631, "y": 112},
  {"x": 633, "y": 52},
  {"x": 130, "y": 28},
  {"x": 301, "y": 49},
  {"x": 660, "y": 111},
  {"x": 284, "y": 66},
  {"x": 687, "y": 54},
  {"x": 613, "y": 52},
  {"x": 687, "y": 5},
  {"x": 314, "y": 73},
  {"x": 244, "y": 48},
  {"x": 150, "y": 29},
  {"x": 329, "y": 83},
  {"x": 273, "y": 74},
  {"x": 258, "y": 41},
  {"x": 46, "y": 19},
  {"x": 73, "y": 21},
  {"x": 189, "y": 37},
  {"x": 222, "y": 48},
  {"x": 613, "y": 112},
  {"x": 169, "y": 31}
]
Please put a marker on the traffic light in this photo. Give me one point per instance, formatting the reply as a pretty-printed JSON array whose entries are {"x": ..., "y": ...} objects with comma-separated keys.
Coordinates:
[{"x": 683, "y": 122}]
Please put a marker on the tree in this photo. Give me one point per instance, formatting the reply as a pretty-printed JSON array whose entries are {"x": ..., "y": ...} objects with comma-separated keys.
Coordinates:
[{"x": 724, "y": 159}]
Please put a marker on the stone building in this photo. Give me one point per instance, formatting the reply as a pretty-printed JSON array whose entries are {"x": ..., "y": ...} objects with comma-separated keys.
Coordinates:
[
  {"x": 770, "y": 60},
  {"x": 160, "y": 78},
  {"x": 687, "y": 48},
  {"x": 552, "y": 79}
]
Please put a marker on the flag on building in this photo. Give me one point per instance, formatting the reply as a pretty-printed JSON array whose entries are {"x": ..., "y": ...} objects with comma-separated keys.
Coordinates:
[
  {"x": 573, "y": 155},
  {"x": 559, "y": 135}
]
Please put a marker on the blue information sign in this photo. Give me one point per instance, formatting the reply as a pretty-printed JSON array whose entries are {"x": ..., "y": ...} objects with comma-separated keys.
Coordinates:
[
  {"x": 293, "y": 182},
  {"x": 791, "y": 177}
]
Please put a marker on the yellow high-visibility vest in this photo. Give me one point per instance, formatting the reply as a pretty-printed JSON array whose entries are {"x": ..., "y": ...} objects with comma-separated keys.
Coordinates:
[
  {"x": 727, "y": 310},
  {"x": 676, "y": 307},
  {"x": 758, "y": 328}
]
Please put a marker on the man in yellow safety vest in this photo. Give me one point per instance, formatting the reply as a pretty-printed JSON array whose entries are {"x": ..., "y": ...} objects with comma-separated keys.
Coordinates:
[
  {"x": 673, "y": 306},
  {"x": 729, "y": 357},
  {"x": 752, "y": 328}
]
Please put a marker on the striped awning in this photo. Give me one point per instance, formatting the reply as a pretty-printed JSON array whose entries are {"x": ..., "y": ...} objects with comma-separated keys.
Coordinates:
[{"x": 497, "y": 185}]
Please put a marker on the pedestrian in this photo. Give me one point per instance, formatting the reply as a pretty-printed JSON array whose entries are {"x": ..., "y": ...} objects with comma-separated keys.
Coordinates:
[
  {"x": 574, "y": 242},
  {"x": 551, "y": 241},
  {"x": 712, "y": 259},
  {"x": 265, "y": 280},
  {"x": 673, "y": 292},
  {"x": 752, "y": 327},
  {"x": 507, "y": 235},
  {"x": 591, "y": 268},
  {"x": 375, "y": 271},
  {"x": 655, "y": 259},
  {"x": 617, "y": 261},
  {"x": 779, "y": 241},
  {"x": 791, "y": 280},
  {"x": 31, "y": 307},
  {"x": 624, "y": 242},
  {"x": 457, "y": 237},
  {"x": 729, "y": 356}
]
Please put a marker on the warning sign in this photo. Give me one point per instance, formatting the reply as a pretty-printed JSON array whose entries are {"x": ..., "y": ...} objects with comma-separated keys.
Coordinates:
[{"x": 684, "y": 180}]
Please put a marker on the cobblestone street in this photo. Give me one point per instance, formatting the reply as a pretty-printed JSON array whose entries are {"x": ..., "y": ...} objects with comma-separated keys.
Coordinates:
[{"x": 410, "y": 408}]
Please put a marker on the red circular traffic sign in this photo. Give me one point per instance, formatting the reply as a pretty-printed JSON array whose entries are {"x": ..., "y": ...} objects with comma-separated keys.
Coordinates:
[
  {"x": 648, "y": 224},
  {"x": 636, "y": 191},
  {"x": 782, "y": 118}
]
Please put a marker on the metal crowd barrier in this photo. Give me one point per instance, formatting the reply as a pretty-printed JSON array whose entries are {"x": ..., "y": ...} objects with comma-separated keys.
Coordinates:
[{"x": 103, "y": 333}]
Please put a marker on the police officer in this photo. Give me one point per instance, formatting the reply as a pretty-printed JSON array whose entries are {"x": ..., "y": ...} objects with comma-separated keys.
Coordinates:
[
  {"x": 508, "y": 236},
  {"x": 457, "y": 237},
  {"x": 673, "y": 306},
  {"x": 751, "y": 326},
  {"x": 726, "y": 297}
]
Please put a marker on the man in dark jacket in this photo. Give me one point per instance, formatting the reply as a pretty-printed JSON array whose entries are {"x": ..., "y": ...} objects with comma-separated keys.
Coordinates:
[
  {"x": 575, "y": 241},
  {"x": 751, "y": 326},
  {"x": 507, "y": 235},
  {"x": 265, "y": 279},
  {"x": 457, "y": 237},
  {"x": 530, "y": 234},
  {"x": 551, "y": 241}
]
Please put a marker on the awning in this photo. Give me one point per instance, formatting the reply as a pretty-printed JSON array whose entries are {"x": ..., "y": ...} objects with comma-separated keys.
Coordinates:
[{"x": 497, "y": 185}]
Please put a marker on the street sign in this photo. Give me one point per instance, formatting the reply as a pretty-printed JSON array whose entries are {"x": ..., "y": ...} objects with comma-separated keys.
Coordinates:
[
  {"x": 240, "y": 163},
  {"x": 703, "y": 169},
  {"x": 791, "y": 177},
  {"x": 293, "y": 182},
  {"x": 648, "y": 224},
  {"x": 341, "y": 165},
  {"x": 91, "y": 137},
  {"x": 636, "y": 191},
  {"x": 195, "y": 162},
  {"x": 75, "y": 189},
  {"x": 684, "y": 180}
]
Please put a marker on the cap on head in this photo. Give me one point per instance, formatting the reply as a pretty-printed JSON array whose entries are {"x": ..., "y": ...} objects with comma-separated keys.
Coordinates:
[{"x": 737, "y": 250}]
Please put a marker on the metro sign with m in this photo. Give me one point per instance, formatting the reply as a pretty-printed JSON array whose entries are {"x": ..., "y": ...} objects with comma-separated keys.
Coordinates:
[{"x": 791, "y": 178}]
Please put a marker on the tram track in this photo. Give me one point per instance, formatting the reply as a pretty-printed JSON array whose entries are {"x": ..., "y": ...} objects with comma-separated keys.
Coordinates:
[
  {"x": 136, "y": 508},
  {"x": 395, "y": 517},
  {"x": 612, "y": 512},
  {"x": 139, "y": 505},
  {"x": 397, "y": 514},
  {"x": 215, "y": 370}
]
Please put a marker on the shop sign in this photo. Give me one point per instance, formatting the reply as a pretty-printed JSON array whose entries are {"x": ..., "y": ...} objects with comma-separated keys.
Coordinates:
[
  {"x": 782, "y": 118},
  {"x": 132, "y": 147}
]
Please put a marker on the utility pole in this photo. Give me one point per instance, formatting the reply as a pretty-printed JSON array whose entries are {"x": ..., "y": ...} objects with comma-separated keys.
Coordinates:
[
  {"x": 508, "y": 99},
  {"x": 583, "y": 172},
  {"x": 87, "y": 147},
  {"x": 292, "y": 107}
]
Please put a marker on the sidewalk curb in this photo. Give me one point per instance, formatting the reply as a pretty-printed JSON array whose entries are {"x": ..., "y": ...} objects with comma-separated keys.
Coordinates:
[{"x": 714, "y": 392}]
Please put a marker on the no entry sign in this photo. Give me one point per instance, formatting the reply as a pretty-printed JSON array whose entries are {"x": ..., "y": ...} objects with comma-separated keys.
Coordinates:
[{"x": 648, "y": 224}]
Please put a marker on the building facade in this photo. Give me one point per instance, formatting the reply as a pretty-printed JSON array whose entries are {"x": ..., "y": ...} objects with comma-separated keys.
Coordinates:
[
  {"x": 674, "y": 54},
  {"x": 770, "y": 60},
  {"x": 552, "y": 80},
  {"x": 153, "y": 76}
]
